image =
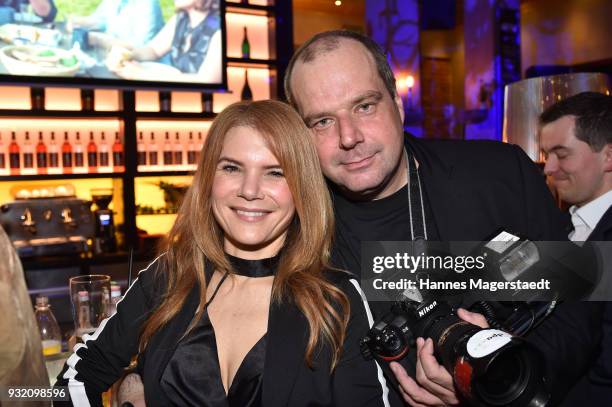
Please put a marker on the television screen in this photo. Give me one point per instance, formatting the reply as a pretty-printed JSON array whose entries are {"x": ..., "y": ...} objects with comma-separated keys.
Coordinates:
[{"x": 115, "y": 43}]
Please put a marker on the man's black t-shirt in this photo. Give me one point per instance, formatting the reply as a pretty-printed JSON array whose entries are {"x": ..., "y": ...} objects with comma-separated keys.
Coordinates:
[{"x": 385, "y": 219}]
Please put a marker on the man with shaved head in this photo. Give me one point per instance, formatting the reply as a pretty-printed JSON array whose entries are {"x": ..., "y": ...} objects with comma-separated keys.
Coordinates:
[{"x": 389, "y": 186}]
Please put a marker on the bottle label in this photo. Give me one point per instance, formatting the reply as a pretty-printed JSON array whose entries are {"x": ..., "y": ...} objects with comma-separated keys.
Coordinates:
[
  {"x": 117, "y": 158},
  {"x": 28, "y": 160},
  {"x": 78, "y": 159},
  {"x": 153, "y": 158},
  {"x": 53, "y": 160},
  {"x": 67, "y": 159},
  {"x": 191, "y": 157},
  {"x": 14, "y": 160},
  {"x": 178, "y": 157},
  {"x": 92, "y": 159},
  {"x": 41, "y": 160},
  {"x": 142, "y": 158},
  {"x": 487, "y": 341},
  {"x": 104, "y": 159},
  {"x": 167, "y": 157}
]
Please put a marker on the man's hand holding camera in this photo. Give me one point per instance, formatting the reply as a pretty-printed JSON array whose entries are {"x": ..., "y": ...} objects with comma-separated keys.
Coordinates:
[{"x": 433, "y": 385}]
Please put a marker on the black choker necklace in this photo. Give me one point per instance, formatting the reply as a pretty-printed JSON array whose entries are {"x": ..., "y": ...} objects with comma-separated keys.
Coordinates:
[{"x": 254, "y": 268}]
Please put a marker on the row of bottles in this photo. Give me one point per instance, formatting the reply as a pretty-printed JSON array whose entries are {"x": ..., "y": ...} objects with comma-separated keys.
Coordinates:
[
  {"x": 73, "y": 153},
  {"x": 179, "y": 150},
  {"x": 50, "y": 155}
]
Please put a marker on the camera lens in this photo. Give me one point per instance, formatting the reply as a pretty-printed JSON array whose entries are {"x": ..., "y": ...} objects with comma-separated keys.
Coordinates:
[
  {"x": 394, "y": 343},
  {"x": 505, "y": 378}
]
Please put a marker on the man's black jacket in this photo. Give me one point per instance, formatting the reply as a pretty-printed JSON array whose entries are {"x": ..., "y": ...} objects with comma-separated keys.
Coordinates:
[{"x": 476, "y": 188}]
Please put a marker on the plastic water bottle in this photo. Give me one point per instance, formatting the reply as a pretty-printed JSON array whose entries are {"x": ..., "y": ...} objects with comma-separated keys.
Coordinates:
[
  {"x": 47, "y": 325},
  {"x": 115, "y": 297}
]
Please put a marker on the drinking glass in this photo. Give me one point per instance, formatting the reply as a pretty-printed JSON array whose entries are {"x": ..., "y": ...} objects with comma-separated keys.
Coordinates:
[{"x": 90, "y": 298}]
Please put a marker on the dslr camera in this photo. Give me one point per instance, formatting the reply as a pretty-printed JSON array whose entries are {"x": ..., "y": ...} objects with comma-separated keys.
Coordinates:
[{"x": 490, "y": 367}]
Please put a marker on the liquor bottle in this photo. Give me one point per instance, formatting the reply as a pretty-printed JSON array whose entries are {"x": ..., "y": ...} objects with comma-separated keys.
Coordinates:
[
  {"x": 41, "y": 155},
  {"x": 47, "y": 326},
  {"x": 246, "y": 46},
  {"x": 118, "y": 162},
  {"x": 66, "y": 155},
  {"x": 246, "y": 93},
  {"x": 92, "y": 154},
  {"x": 165, "y": 101},
  {"x": 207, "y": 102},
  {"x": 53, "y": 155},
  {"x": 192, "y": 152},
  {"x": 153, "y": 151},
  {"x": 200, "y": 145},
  {"x": 14, "y": 155},
  {"x": 87, "y": 100},
  {"x": 141, "y": 148},
  {"x": 3, "y": 169},
  {"x": 79, "y": 158},
  {"x": 37, "y": 98},
  {"x": 104, "y": 154},
  {"x": 28, "y": 153},
  {"x": 167, "y": 151},
  {"x": 178, "y": 151}
]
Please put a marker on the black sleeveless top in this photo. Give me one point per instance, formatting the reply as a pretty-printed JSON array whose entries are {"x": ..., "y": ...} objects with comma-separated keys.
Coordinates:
[
  {"x": 193, "y": 376},
  {"x": 188, "y": 57}
]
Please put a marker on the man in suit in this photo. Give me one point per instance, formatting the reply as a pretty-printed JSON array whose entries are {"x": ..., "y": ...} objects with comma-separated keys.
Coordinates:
[
  {"x": 576, "y": 138},
  {"x": 342, "y": 85}
]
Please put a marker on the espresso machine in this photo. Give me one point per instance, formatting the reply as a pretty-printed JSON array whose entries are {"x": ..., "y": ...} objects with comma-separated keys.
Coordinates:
[
  {"x": 44, "y": 221},
  {"x": 104, "y": 229}
]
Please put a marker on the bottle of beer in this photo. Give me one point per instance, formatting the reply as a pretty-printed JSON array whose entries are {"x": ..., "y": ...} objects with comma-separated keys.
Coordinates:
[
  {"x": 141, "y": 151},
  {"x": 153, "y": 156},
  {"x": 104, "y": 154},
  {"x": 168, "y": 151},
  {"x": 14, "y": 155},
  {"x": 66, "y": 155},
  {"x": 79, "y": 158},
  {"x": 192, "y": 152},
  {"x": 41, "y": 155},
  {"x": 118, "y": 158},
  {"x": 92, "y": 154},
  {"x": 53, "y": 154},
  {"x": 28, "y": 153},
  {"x": 246, "y": 46},
  {"x": 246, "y": 93},
  {"x": 178, "y": 151},
  {"x": 2, "y": 157}
]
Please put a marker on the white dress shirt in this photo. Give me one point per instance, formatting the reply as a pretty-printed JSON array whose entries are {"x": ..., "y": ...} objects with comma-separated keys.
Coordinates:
[{"x": 586, "y": 217}]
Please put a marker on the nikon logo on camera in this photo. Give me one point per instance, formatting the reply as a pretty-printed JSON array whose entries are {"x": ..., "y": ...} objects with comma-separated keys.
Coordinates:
[{"x": 425, "y": 310}]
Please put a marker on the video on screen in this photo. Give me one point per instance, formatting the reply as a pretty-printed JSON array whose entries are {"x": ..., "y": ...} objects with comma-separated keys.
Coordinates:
[{"x": 141, "y": 40}]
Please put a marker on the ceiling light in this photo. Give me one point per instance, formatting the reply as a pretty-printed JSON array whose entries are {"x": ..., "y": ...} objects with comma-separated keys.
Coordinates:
[{"x": 338, "y": 3}]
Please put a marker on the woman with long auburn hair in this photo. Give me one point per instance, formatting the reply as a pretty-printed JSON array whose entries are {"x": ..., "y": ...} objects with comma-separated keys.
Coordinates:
[{"x": 241, "y": 307}]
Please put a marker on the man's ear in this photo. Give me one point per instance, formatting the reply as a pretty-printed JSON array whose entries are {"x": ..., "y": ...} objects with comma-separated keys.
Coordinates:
[
  {"x": 400, "y": 105},
  {"x": 607, "y": 153}
]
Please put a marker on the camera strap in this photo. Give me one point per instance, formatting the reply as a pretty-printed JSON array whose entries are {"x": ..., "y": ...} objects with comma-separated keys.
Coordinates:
[{"x": 416, "y": 208}]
